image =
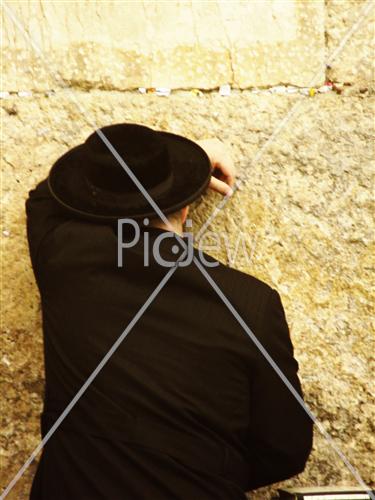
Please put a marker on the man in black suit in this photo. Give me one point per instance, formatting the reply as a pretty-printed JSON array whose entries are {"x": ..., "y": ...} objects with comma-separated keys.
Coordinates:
[{"x": 186, "y": 407}]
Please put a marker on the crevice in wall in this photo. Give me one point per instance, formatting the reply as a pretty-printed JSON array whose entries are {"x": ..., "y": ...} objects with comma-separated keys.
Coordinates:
[
  {"x": 281, "y": 89},
  {"x": 326, "y": 37}
]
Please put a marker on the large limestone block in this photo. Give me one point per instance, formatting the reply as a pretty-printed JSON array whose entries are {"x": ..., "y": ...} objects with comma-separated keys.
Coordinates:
[
  {"x": 303, "y": 223},
  {"x": 355, "y": 63},
  {"x": 122, "y": 45}
]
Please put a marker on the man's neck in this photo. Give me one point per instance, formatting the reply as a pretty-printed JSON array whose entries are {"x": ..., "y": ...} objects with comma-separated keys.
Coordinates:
[{"x": 174, "y": 227}]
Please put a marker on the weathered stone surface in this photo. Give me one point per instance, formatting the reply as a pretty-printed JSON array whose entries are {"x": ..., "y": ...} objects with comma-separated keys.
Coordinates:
[
  {"x": 355, "y": 63},
  {"x": 304, "y": 216},
  {"x": 122, "y": 45}
]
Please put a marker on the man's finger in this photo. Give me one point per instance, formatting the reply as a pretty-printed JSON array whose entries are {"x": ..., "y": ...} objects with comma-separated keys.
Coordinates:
[
  {"x": 220, "y": 186},
  {"x": 224, "y": 175}
]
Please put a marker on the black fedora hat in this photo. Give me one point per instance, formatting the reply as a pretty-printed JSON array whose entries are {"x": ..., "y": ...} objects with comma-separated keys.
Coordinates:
[{"x": 90, "y": 182}]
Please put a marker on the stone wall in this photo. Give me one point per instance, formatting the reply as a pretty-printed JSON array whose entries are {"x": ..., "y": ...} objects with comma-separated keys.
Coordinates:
[
  {"x": 305, "y": 212},
  {"x": 118, "y": 45}
]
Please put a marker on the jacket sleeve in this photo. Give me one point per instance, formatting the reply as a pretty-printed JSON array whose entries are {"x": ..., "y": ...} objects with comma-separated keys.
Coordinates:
[
  {"x": 280, "y": 435},
  {"x": 43, "y": 214}
]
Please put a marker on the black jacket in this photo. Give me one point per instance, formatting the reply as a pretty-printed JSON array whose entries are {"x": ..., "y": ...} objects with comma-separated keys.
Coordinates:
[{"x": 187, "y": 407}]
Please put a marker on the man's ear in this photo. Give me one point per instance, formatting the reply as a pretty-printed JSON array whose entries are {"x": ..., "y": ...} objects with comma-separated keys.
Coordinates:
[{"x": 184, "y": 214}]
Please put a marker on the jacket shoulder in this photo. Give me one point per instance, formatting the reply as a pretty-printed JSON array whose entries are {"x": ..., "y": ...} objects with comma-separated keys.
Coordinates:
[
  {"x": 247, "y": 293},
  {"x": 246, "y": 279},
  {"x": 240, "y": 279}
]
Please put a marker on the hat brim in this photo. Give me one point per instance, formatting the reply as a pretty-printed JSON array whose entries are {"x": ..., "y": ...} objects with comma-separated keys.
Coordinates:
[{"x": 191, "y": 176}]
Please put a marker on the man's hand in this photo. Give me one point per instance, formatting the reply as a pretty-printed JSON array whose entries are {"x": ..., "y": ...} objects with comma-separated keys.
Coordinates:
[{"x": 224, "y": 170}]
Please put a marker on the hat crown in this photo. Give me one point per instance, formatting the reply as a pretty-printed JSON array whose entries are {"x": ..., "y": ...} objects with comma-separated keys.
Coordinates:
[{"x": 141, "y": 148}]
